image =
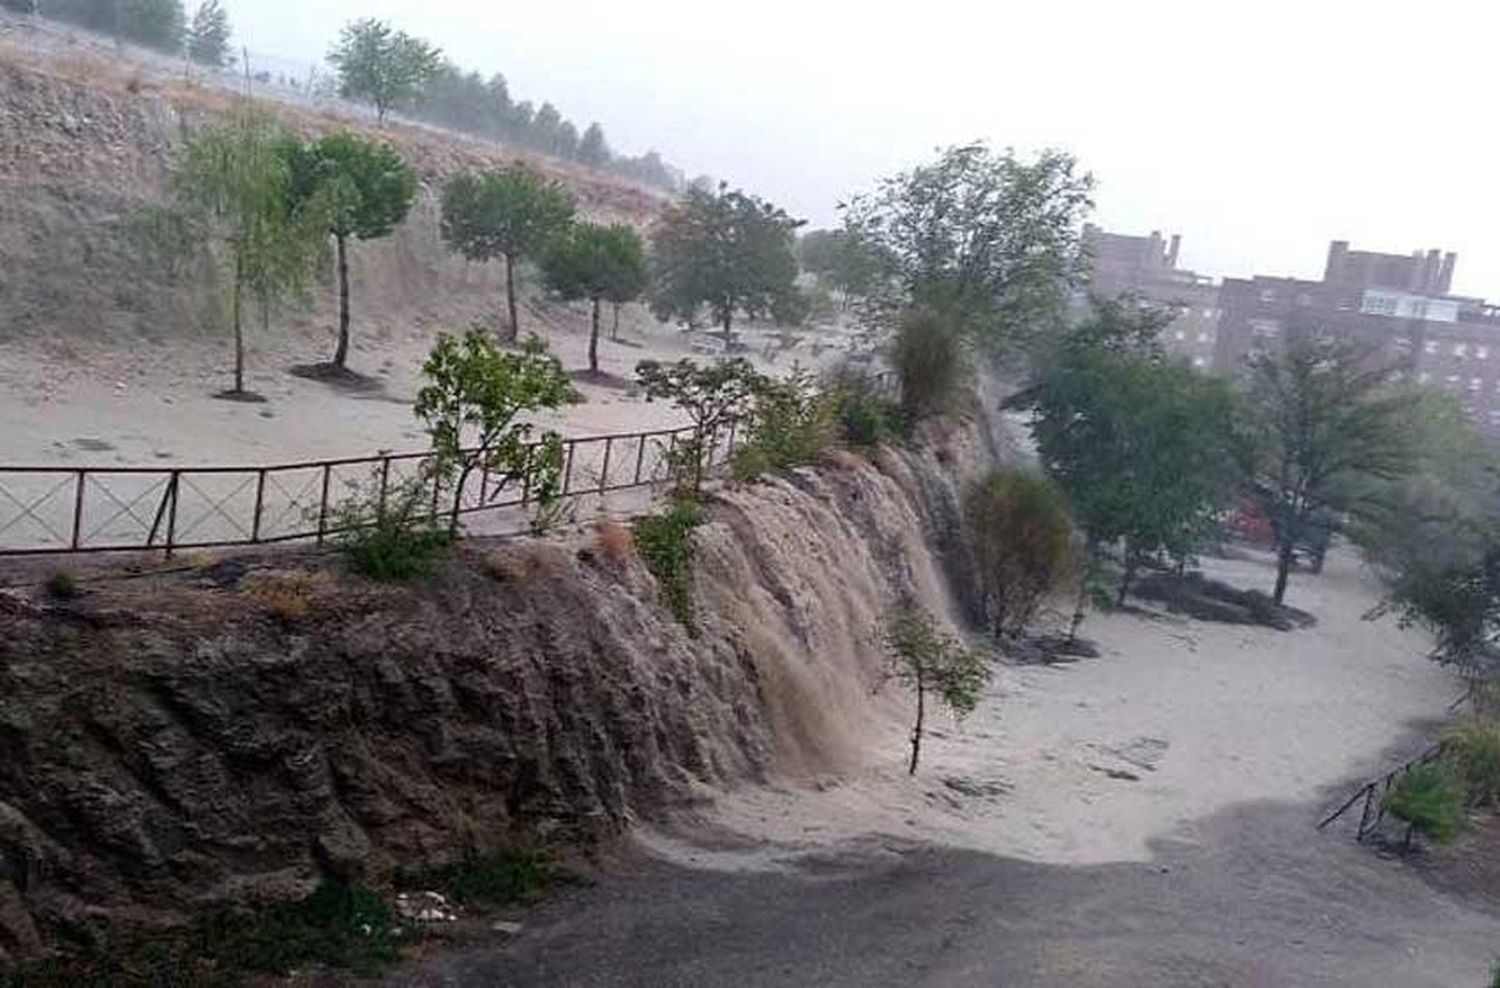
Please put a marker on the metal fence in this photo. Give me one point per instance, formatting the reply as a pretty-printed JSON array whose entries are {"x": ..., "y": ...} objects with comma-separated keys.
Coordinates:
[
  {"x": 1371, "y": 797},
  {"x": 57, "y": 509}
]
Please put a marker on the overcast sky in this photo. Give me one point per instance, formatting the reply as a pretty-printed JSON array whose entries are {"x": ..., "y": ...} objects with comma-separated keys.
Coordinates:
[{"x": 1258, "y": 131}]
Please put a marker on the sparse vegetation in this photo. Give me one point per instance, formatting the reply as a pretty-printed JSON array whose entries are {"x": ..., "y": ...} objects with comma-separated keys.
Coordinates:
[
  {"x": 510, "y": 213},
  {"x": 924, "y": 659},
  {"x": 394, "y": 540},
  {"x": 865, "y": 414},
  {"x": 612, "y": 540},
  {"x": 793, "y": 423},
  {"x": 474, "y": 393},
  {"x": 666, "y": 546},
  {"x": 1022, "y": 539},
  {"x": 1430, "y": 801},
  {"x": 513, "y": 877},
  {"x": 929, "y": 356},
  {"x": 1474, "y": 749}
]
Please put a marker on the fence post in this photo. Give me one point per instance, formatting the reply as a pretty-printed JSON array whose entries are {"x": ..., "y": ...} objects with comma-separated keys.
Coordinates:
[
  {"x": 385, "y": 483},
  {"x": 526, "y": 474},
  {"x": 78, "y": 508},
  {"x": 640, "y": 459},
  {"x": 323, "y": 503},
  {"x": 568, "y": 467},
  {"x": 260, "y": 498},
  {"x": 172, "y": 513},
  {"x": 609, "y": 442}
]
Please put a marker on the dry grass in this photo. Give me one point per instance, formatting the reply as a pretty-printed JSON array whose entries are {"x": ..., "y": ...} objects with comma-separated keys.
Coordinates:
[
  {"x": 525, "y": 562},
  {"x": 288, "y": 596},
  {"x": 842, "y": 459},
  {"x": 612, "y": 540}
]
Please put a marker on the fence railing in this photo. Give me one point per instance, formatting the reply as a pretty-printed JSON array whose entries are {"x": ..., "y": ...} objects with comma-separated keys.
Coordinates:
[
  {"x": 1373, "y": 794},
  {"x": 59, "y": 509}
]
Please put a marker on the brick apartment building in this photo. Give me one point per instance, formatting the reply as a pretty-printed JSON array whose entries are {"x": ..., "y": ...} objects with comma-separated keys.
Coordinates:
[
  {"x": 1147, "y": 266},
  {"x": 1400, "y": 305}
]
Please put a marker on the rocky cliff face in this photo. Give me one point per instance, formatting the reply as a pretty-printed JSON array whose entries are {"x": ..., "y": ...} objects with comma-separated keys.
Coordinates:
[
  {"x": 87, "y": 140},
  {"x": 229, "y": 736}
]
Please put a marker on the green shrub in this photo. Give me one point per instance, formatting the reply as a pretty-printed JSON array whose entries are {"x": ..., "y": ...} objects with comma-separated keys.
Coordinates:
[
  {"x": 62, "y": 585},
  {"x": 1430, "y": 801},
  {"x": 515, "y": 876},
  {"x": 665, "y": 542},
  {"x": 1474, "y": 748},
  {"x": 929, "y": 358},
  {"x": 397, "y": 541},
  {"x": 792, "y": 423},
  {"x": 1018, "y": 528},
  {"x": 864, "y": 414}
]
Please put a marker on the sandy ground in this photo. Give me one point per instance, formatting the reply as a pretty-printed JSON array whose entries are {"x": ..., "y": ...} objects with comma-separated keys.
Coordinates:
[
  {"x": 84, "y": 403},
  {"x": 1090, "y": 762}
]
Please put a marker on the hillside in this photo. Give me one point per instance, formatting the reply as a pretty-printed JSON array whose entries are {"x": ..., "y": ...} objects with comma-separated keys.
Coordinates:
[{"x": 87, "y": 136}]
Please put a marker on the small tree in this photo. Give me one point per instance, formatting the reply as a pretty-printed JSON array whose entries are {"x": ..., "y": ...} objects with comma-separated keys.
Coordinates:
[
  {"x": 924, "y": 659},
  {"x": 469, "y": 406},
  {"x": 593, "y": 150},
  {"x": 712, "y": 396},
  {"x": 233, "y": 186},
  {"x": 1429, "y": 801},
  {"x": 511, "y": 213},
  {"x": 591, "y": 261},
  {"x": 1022, "y": 539},
  {"x": 360, "y": 189},
  {"x": 727, "y": 251},
  {"x": 793, "y": 422},
  {"x": 1323, "y": 416},
  {"x": 208, "y": 37},
  {"x": 382, "y": 66},
  {"x": 840, "y": 260},
  {"x": 931, "y": 359}
]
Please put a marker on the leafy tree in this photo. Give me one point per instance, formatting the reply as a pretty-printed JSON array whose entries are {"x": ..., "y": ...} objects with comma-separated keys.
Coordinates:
[
  {"x": 930, "y": 357},
  {"x": 1322, "y": 417},
  {"x": 923, "y": 658},
  {"x": 159, "y": 24},
  {"x": 233, "y": 185},
  {"x": 510, "y": 213},
  {"x": 592, "y": 148},
  {"x": 793, "y": 422},
  {"x": 382, "y": 66},
  {"x": 846, "y": 263},
  {"x": 470, "y": 404},
  {"x": 208, "y": 37},
  {"x": 1018, "y": 528},
  {"x": 360, "y": 189},
  {"x": 713, "y": 397},
  {"x": 590, "y": 261},
  {"x": 726, "y": 250},
  {"x": 985, "y": 236},
  {"x": 1142, "y": 446}
]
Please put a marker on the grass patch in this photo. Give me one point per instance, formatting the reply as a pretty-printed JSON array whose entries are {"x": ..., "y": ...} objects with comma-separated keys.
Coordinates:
[
  {"x": 1430, "y": 801},
  {"x": 665, "y": 543},
  {"x": 1474, "y": 748},
  {"x": 62, "y": 585},
  {"x": 337, "y": 926},
  {"x": 498, "y": 880}
]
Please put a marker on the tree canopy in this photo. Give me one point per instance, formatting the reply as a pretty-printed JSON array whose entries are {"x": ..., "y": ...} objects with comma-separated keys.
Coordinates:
[
  {"x": 599, "y": 263},
  {"x": 208, "y": 35},
  {"x": 989, "y": 239},
  {"x": 382, "y": 66},
  {"x": 357, "y": 188},
  {"x": 725, "y": 251},
  {"x": 510, "y": 213}
]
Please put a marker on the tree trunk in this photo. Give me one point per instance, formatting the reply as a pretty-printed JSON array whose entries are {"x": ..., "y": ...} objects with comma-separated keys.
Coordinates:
[
  {"x": 341, "y": 354},
  {"x": 239, "y": 332},
  {"x": 916, "y": 731},
  {"x": 614, "y": 330},
  {"x": 1130, "y": 565},
  {"x": 458, "y": 499},
  {"x": 728, "y": 319},
  {"x": 509, "y": 334},
  {"x": 594, "y": 341},
  {"x": 1078, "y": 605},
  {"x": 1284, "y": 555}
]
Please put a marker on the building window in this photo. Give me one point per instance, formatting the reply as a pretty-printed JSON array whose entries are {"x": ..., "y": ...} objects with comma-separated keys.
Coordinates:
[
  {"x": 1495, "y": 418},
  {"x": 1304, "y": 300},
  {"x": 1180, "y": 336},
  {"x": 1403, "y": 343},
  {"x": 1482, "y": 352},
  {"x": 1460, "y": 349},
  {"x": 1265, "y": 327},
  {"x": 1452, "y": 380},
  {"x": 1475, "y": 384},
  {"x": 1200, "y": 362},
  {"x": 1423, "y": 377},
  {"x": 1267, "y": 295},
  {"x": 1208, "y": 313},
  {"x": 1203, "y": 337},
  {"x": 1430, "y": 346}
]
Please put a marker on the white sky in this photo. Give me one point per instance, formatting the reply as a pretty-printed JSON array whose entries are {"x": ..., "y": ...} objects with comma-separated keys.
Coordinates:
[{"x": 1259, "y": 131}]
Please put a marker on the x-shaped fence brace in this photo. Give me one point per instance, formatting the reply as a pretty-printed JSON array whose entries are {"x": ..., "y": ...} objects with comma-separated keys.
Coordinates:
[{"x": 28, "y": 509}]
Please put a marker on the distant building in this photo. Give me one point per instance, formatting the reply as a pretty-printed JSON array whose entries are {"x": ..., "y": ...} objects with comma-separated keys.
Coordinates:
[
  {"x": 1398, "y": 304},
  {"x": 1147, "y": 267}
]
